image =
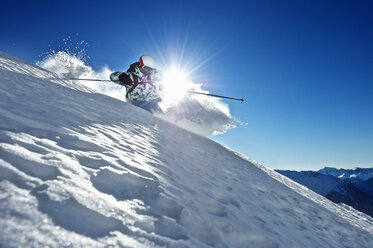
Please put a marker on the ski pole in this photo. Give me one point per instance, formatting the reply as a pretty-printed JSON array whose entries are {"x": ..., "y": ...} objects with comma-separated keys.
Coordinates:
[
  {"x": 192, "y": 92},
  {"x": 89, "y": 79},
  {"x": 226, "y": 97}
]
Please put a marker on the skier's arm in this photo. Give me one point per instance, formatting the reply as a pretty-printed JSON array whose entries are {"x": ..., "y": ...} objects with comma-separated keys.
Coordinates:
[{"x": 122, "y": 78}]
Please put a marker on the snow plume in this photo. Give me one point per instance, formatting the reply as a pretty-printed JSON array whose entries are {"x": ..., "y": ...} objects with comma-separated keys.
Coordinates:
[
  {"x": 73, "y": 65},
  {"x": 199, "y": 114}
]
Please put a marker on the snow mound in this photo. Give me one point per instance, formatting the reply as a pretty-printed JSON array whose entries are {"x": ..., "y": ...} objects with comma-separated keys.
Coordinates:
[{"x": 81, "y": 169}]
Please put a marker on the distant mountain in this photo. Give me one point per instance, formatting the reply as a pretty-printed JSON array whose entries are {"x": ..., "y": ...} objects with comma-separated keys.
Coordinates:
[
  {"x": 347, "y": 193},
  {"x": 321, "y": 184},
  {"x": 352, "y": 187},
  {"x": 355, "y": 175},
  {"x": 366, "y": 186}
]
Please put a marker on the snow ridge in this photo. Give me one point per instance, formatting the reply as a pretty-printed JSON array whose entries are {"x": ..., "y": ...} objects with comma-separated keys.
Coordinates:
[{"x": 80, "y": 169}]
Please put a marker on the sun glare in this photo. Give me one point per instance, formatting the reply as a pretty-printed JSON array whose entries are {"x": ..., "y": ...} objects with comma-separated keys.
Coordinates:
[{"x": 175, "y": 84}]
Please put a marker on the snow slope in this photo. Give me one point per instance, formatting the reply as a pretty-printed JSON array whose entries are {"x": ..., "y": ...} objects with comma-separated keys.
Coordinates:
[{"x": 81, "y": 169}]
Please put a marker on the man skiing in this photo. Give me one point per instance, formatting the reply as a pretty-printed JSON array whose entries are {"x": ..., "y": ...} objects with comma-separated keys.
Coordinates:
[{"x": 139, "y": 81}]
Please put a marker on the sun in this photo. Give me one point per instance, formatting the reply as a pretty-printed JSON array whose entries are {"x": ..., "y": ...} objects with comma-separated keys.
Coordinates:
[{"x": 174, "y": 84}]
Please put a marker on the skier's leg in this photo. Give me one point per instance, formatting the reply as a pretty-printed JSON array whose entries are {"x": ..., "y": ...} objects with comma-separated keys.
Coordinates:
[
  {"x": 154, "y": 105},
  {"x": 151, "y": 106}
]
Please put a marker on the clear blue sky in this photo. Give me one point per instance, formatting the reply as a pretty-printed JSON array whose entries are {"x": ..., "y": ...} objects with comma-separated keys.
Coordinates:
[{"x": 306, "y": 67}]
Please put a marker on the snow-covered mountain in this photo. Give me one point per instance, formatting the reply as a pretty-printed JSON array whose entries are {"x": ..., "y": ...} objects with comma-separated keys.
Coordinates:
[
  {"x": 349, "y": 194},
  {"x": 81, "y": 169},
  {"x": 352, "y": 191},
  {"x": 321, "y": 184},
  {"x": 353, "y": 175},
  {"x": 366, "y": 186}
]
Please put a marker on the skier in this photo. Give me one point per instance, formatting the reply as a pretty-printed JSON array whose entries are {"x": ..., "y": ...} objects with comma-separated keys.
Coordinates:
[{"x": 139, "y": 81}]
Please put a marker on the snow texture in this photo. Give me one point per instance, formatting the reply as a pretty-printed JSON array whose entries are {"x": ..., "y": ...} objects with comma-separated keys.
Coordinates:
[{"x": 81, "y": 169}]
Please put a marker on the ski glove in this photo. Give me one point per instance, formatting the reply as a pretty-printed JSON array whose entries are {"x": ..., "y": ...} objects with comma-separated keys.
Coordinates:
[
  {"x": 121, "y": 78},
  {"x": 115, "y": 76}
]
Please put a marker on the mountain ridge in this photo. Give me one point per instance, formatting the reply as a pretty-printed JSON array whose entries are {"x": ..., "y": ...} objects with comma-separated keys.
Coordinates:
[{"x": 356, "y": 174}]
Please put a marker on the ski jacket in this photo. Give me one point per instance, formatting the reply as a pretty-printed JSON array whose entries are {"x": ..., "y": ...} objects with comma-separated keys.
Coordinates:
[{"x": 140, "y": 87}]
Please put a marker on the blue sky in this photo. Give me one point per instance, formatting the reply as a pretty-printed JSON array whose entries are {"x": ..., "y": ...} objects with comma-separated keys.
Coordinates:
[{"x": 306, "y": 67}]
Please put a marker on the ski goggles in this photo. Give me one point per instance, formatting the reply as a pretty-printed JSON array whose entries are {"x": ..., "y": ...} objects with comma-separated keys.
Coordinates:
[{"x": 147, "y": 69}]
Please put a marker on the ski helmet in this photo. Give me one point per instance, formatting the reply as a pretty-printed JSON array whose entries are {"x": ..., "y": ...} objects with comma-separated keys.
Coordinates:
[{"x": 147, "y": 63}]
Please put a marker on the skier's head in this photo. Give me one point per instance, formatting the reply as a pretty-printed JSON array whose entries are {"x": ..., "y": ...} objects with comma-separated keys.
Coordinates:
[{"x": 147, "y": 64}]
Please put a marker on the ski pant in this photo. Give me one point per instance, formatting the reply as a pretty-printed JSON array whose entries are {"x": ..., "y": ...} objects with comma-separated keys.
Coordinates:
[{"x": 151, "y": 106}]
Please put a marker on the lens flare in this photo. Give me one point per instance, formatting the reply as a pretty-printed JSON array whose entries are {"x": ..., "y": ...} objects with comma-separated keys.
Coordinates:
[{"x": 174, "y": 84}]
